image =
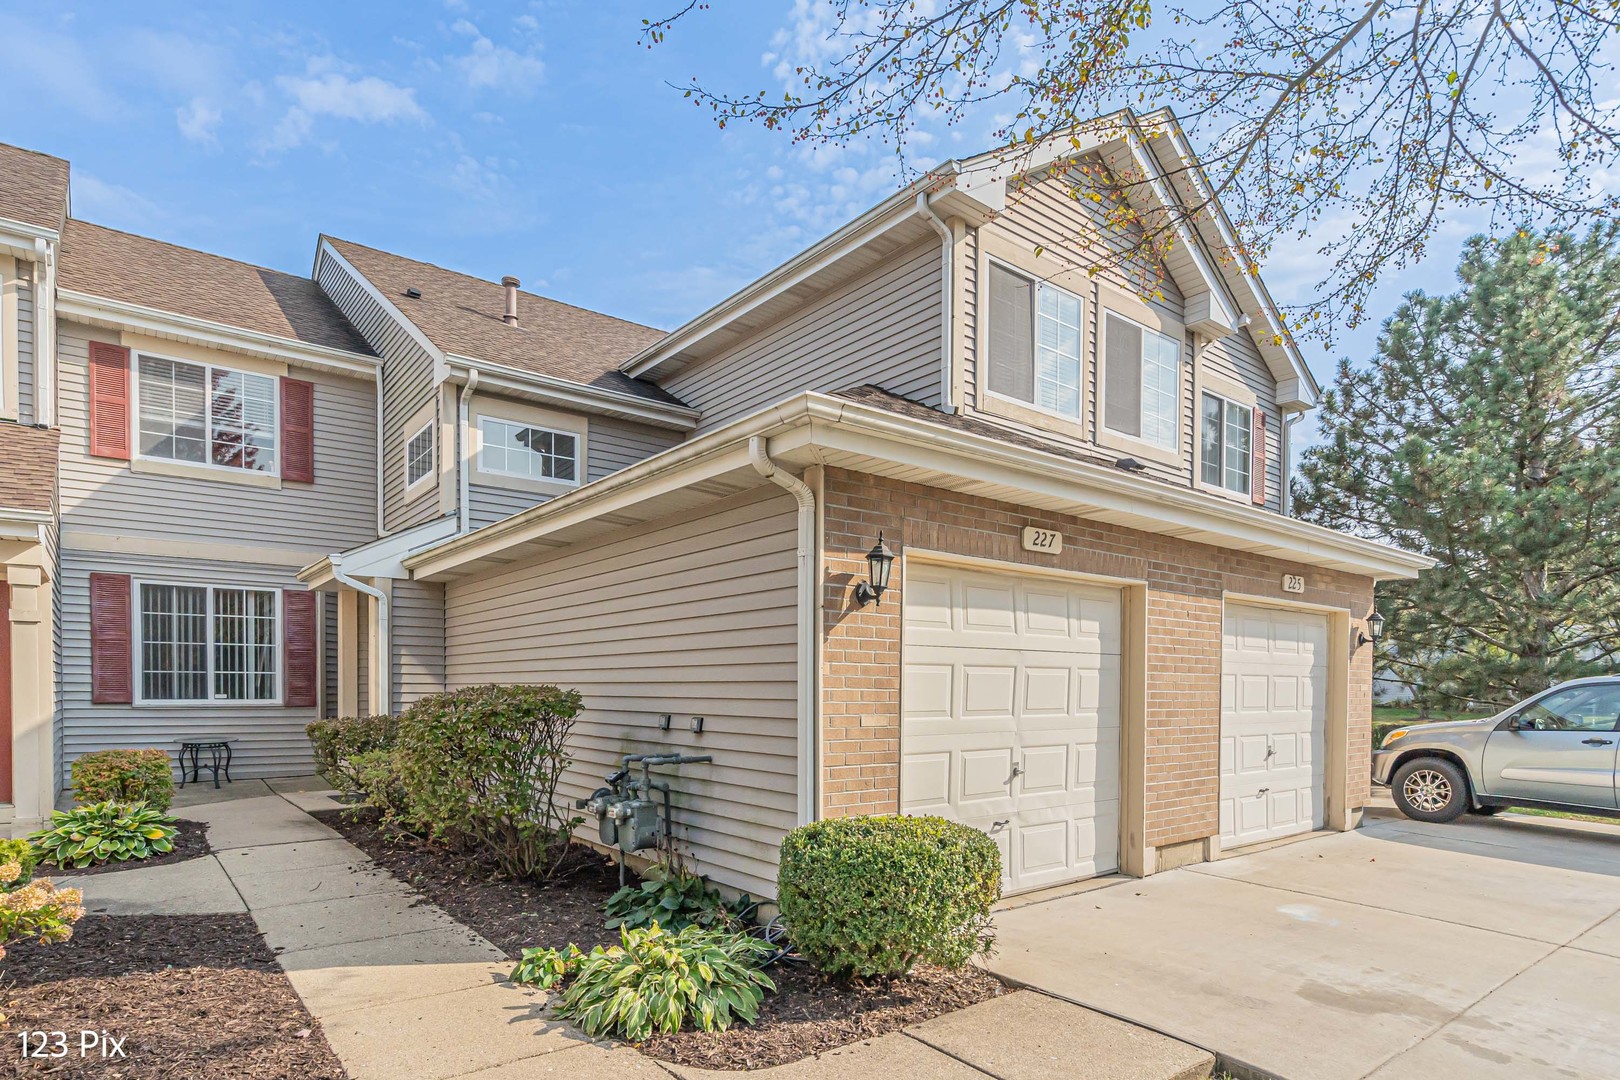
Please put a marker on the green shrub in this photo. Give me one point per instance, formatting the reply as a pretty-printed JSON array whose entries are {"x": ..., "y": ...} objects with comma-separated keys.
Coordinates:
[
  {"x": 655, "y": 980},
  {"x": 339, "y": 743},
  {"x": 124, "y": 776},
  {"x": 377, "y": 777},
  {"x": 17, "y": 861},
  {"x": 481, "y": 766},
  {"x": 38, "y": 910},
  {"x": 871, "y": 896},
  {"x": 104, "y": 832}
]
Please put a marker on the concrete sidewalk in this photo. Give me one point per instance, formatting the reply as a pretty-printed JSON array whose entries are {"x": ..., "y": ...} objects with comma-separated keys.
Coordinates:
[{"x": 404, "y": 991}]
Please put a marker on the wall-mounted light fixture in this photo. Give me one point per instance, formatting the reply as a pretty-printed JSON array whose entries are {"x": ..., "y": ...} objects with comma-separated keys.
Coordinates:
[
  {"x": 879, "y": 561},
  {"x": 1375, "y": 629}
]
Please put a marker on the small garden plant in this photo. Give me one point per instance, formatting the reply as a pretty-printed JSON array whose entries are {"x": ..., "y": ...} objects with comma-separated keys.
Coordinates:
[
  {"x": 872, "y": 896},
  {"x": 125, "y": 776},
  {"x": 29, "y": 907},
  {"x": 674, "y": 898},
  {"x": 104, "y": 832},
  {"x": 344, "y": 745},
  {"x": 655, "y": 981}
]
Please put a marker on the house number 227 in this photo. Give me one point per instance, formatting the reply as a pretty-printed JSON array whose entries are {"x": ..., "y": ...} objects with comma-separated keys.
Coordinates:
[{"x": 1046, "y": 541}]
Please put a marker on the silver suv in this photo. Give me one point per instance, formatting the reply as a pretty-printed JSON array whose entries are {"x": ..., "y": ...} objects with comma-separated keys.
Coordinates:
[{"x": 1557, "y": 750}]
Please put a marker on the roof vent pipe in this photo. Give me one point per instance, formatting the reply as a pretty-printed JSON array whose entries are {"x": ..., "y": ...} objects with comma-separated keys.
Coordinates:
[{"x": 511, "y": 283}]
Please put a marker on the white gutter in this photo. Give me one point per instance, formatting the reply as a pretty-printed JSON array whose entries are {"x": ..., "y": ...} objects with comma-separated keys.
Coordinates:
[
  {"x": 382, "y": 660},
  {"x": 45, "y": 336},
  {"x": 573, "y": 395},
  {"x": 808, "y": 592},
  {"x": 381, "y": 461},
  {"x": 947, "y": 275},
  {"x": 464, "y": 465}
]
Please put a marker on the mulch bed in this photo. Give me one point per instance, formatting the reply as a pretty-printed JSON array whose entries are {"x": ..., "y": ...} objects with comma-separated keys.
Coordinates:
[
  {"x": 808, "y": 1014},
  {"x": 189, "y": 995},
  {"x": 190, "y": 842}
]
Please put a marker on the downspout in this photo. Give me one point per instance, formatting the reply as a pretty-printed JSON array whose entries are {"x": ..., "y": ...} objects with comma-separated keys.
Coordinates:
[
  {"x": 464, "y": 466},
  {"x": 45, "y": 343},
  {"x": 808, "y": 654},
  {"x": 382, "y": 462},
  {"x": 383, "y": 660},
  {"x": 1287, "y": 449},
  {"x": 947, "y": 276}
]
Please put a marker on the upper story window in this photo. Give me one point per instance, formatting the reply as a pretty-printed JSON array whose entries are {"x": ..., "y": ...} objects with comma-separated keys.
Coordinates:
[
  {"x": 525, "y": 450},
  {"x": 1034, "y": 342},
  {"x": 419, "y": 456},
  {"x": 1141, "y": 382},
  {"x": 206, "y": 415},
  {"x": 204, "y": 643},
  {"x": 1225, "y": 443}
]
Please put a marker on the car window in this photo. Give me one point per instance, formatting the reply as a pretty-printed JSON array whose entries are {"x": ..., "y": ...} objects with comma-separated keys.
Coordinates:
[{"x": 1580, "y": 708}]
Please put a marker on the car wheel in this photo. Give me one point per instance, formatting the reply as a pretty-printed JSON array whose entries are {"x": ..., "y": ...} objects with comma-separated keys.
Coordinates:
[{"x": 1430, "y": 789}]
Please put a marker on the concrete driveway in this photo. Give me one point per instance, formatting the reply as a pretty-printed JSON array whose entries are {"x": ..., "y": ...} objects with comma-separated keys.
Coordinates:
[{"x": 1485, "y": 949}]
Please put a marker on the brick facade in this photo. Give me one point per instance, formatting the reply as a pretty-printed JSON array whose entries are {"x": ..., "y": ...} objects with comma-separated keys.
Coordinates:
[{"x": 1185, "y": 586}]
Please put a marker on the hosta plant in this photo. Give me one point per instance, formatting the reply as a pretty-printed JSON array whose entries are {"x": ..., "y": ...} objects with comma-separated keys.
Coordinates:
[
  {"x": 674, "y": 898},
  {"x": 104, "y": 832},
  {"x": 656, "y": 981}
]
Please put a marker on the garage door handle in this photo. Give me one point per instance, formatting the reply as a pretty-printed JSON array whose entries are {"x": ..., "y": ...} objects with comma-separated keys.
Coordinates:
[
  {"x": 997, "y": 826},
  {"x": 1262, "y": 791},
  {"x": 1597, "y": 742}
]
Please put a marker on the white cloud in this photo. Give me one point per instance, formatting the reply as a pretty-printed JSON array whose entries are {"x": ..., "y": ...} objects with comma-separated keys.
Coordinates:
[
  {"x": 325, "y": 90},
  {"x": 487, "y": 65},
  {"x": 198, "y": 119},
  {"x": 97, "y": 200}
]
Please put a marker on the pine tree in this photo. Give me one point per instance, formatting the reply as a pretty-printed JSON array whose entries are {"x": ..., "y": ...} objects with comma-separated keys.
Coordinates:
[{"x": 1484, "y": 433}]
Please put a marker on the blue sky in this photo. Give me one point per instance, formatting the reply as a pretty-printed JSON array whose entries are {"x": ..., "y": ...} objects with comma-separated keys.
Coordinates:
[{"x": 532, "y": 138}]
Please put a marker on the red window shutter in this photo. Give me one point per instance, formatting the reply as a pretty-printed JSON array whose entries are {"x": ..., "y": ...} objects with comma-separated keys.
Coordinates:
[
  {"x": 112, "y": 680},
  {"x": 302, "y": 663},
  {"x": 1257, "y": 468},
  {"x": 297, "y": 430},
  {"x": 109, "y": 401}
]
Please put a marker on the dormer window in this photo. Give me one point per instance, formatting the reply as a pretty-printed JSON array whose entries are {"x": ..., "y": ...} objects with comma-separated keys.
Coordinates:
[
  {"x": 1034, "y": 342},
  {"x": 206, "y": 415}
]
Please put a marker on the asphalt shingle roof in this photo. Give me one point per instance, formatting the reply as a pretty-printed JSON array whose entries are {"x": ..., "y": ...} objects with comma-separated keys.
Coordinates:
[
  {"x": 461, "y": 314},
  {"x": 136, "y": 270},
  {"x": 33, "y": 187}
]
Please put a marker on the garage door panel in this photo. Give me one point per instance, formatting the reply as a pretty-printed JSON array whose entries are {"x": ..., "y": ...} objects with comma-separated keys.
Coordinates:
[
  {"x": 1028, "y": 670},
  {"x": 1273, "y": 723}
]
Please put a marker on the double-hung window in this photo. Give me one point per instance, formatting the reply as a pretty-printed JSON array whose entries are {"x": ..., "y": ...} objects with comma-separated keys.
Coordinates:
[
  {"x": 1141, "y": 382},
  {"x": 527, "y": 451},
  {"x": 206, "y": 415},
  {"x": 1034, "y": 342},
  {"x": 419, "y": 456},
  {"x": 207, "y": 643},
  {"x": 1225, "y": 443}
]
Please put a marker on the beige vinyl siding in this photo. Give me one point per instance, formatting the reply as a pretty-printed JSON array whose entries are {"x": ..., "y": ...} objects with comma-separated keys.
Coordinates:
[
  {"x": 329, "y": 653},
  {"x": 693, "y": 615},
  {"x": 883, "y": 329},
  {"x": 417, "y": 630},
  {"x": 967, "y": 339},
  {"x": 1236, "y": 358},
  {"x": 487, "y": 504},
  {"x": 334, "y": 513},
  {"x": 271, "y": 739},
  {"x": 26, "y": 368},
  {"x": 407, "y": 386}
]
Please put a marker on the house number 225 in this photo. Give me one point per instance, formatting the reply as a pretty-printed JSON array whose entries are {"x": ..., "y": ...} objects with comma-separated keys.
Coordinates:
[{"x": 1046, "y": 541}]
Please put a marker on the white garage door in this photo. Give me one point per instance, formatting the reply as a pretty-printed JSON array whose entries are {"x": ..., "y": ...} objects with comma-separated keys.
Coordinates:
[
  {"x": 1274, "y": 677},
  {"x": 1011, "y": 717}
]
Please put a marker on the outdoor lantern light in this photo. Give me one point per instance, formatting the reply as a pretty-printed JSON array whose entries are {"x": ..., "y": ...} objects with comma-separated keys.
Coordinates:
[
  {"x": 879, "y": 561},
  {"x": 1375, "y": 629}
]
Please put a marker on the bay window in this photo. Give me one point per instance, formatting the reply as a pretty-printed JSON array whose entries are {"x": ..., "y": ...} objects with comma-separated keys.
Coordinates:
[
  {"x": 206, "y": 415},
  {"x": 1141, "y": 382},
  {"x": 207, "y": 643},
  {"x": 1034, "y": 342},
  {"x": 1225, "y": 443}
]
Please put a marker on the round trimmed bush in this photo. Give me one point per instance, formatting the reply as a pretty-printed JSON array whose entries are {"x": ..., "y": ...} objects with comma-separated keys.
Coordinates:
[
  {"x": 871, "y": 896},
  {"x": 123, "y": 776}
]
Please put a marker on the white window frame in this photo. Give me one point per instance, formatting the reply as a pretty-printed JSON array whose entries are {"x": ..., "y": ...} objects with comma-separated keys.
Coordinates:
[
  {"x": 1173, "y": 450},
  {"x": 138, "y": 640},
  {"x": 136, "y": 356},
  {"x": 1035, "y": 342},
  {"x": 483, "y": 461},
  {"x": 1227, "y": 402},
  {"x": 431, "y": 426}
]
